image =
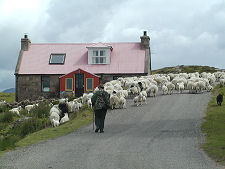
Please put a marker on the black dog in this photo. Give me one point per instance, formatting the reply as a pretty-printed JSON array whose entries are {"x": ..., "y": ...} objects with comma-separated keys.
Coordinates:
[{"x": 219, "y": 99}]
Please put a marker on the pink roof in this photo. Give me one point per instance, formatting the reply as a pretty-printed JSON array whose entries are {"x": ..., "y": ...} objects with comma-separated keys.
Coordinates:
[{"x": 125, "y": 58}]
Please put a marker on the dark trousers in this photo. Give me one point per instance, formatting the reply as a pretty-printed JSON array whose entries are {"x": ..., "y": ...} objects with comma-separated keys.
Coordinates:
[{"x": 100, "y": 118}]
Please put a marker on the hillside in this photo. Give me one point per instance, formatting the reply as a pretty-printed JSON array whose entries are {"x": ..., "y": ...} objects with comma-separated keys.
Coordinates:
[
  {"x": 185, "y": 69},
  {"x": 11, "y": 90}
]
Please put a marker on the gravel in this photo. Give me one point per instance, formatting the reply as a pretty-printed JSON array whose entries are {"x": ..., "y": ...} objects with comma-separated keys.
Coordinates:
[{"x": 164, "y": 134}]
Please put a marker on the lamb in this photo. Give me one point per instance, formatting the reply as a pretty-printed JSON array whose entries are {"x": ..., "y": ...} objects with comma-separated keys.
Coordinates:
[
  {"x": 64, "y": 119},
  {"x": 16, "y": 110},
  {"x": 219, "y": 99}
]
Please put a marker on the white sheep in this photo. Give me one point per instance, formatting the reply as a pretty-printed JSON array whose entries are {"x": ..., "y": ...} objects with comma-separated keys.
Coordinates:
[
  {"x": 55, "y": 123},
  {"x": 122, "y": 102},
  {"x": 16, "y": 110},
  {"x": 89, "y": 103},
  {"x": 164, "y": 89},
  {"x": 114, "y": 101},
  {"x": 138, "y": 100},
  {"x": 65, "y": 118},
  {"x": 152, "y": 89},
  {"x": 29, "y": 107}
]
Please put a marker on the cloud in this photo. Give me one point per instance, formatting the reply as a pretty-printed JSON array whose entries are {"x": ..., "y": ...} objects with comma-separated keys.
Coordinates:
[{"x": 181, "y": 32}]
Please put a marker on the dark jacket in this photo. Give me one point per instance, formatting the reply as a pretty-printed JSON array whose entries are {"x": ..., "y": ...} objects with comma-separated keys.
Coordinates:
[{"x": 100, "y": 100}]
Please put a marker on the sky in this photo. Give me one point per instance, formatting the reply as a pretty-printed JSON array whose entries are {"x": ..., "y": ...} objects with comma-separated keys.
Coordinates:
[{"x": 181, "y": 32}]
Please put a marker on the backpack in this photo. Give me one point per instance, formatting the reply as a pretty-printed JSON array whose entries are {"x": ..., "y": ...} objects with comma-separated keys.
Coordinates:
[{"x": 100, "y": 102}]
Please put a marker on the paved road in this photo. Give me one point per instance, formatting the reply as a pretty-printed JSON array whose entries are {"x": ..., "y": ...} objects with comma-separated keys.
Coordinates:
[{"x": 164, "y": 134}]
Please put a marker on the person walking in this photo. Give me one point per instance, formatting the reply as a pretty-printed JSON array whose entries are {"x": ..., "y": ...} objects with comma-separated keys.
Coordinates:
[{"x": 100, "y": 102}]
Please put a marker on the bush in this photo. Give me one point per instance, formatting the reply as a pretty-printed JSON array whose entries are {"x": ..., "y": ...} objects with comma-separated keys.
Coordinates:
[
  {"x": 4, "y": 109},
  {"x": 28, "y": 126},
  {"x": 8, "y": 142},
  {"x": 41, "y": 111},
  {"x": 6, "y": 117}
]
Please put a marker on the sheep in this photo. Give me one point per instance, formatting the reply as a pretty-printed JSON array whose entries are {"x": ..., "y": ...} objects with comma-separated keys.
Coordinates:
[
  {"x": 138, "y": 99},
  {"x": 29, "y": 107},
  {"x": 64, "y": 119},
  {"x": 122, "y": 102},
  {"x": 114, "y": 101},
  {"x": 180, "y": 87},
  {"x": 219, "y": 99},
  {"x": 164, "y": 89},
  {"x": 54, "y": 117},
  {"x": 55, "y": 123},
  {"x": 89, "y": 103},
  {"x": 16, "y": 110},
  {"x": 86, "y": 96},
  {"x": 152, "y": 89},
  {"x": 170, "y": 87},
  {"x": 56, "y": 109}
]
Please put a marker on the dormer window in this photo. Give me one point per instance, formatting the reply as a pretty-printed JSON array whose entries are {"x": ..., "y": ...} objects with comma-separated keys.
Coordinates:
[
  {"x": 57, "y": 58},
  {"x": 99, "y": 53},
  {"x": 99, "y": 57}
]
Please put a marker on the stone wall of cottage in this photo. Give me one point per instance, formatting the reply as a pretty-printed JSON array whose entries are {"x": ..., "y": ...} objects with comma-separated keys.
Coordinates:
[
  {"x": 29, "y": 87},
  {"x": 108, "y": 77}
]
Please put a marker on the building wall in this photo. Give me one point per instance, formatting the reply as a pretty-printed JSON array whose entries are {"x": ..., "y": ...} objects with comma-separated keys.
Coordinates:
[
  {"x": 108, "y": 77},
  {"x": 29, "y": 87},
  {"x": 72, "y": 75}
]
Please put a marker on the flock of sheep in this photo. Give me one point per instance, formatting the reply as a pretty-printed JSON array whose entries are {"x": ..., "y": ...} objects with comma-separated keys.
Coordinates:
[{"x": 138, "y": 88}]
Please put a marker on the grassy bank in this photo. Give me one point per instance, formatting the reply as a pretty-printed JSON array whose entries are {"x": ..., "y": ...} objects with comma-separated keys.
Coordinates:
[
  {"x": 77, "y": 121},
  {"x": 214, "y": 128},
  {"x": 8, "y": 97}
]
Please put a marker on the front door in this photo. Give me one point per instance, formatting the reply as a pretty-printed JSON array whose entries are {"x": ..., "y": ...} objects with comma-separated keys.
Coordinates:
[{"x": 79, "y": 84}]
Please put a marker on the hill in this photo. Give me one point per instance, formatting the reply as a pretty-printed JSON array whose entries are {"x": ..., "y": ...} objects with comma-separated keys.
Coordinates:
[
  {"x": 185, "y": 69},
  {"x": 10, "y": 90}
]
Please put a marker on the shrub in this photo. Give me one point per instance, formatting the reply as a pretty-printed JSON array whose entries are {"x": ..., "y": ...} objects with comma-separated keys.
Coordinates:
[
  {"x": 6, "y": 117},
  {"x": 28, "y": 126},
  {"x": 41, "y": 111},
  {"x": 4, "y": 109},
  {"x": 8, "y": 142}
]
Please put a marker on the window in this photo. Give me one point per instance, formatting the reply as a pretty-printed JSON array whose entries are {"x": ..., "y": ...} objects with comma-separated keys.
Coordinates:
[
  {"x": 99, "y": 57},
  {"x": 45, "y": 83},
  {"x": 102, "y": 53},
  {"x": 95, "y": 53},
  {"x": 69, "y": 84},
  {"x": 89, "y": 84},
  {"x": 57, "y": 58}
]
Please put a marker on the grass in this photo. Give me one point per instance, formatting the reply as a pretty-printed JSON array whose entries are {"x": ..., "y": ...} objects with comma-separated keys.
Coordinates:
[
  {"x": 184, "y": 69},
  {"x": 39, "y": 129},
  {"x": 8, "y": 97},
  {"x": 214, "y": 128},
  {"x": 85, "y": 117}
]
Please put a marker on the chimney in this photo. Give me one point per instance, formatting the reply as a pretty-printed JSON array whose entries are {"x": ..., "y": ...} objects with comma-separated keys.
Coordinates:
[
  {"x": 25, "y": 43},
  {"x": 145, "y": 41}
]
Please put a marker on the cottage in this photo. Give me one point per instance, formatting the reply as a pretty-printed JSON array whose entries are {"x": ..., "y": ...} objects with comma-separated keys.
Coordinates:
[{"x": 48, "y": 69}]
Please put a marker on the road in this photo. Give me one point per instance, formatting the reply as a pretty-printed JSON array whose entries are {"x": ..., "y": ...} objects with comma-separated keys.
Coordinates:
[{"x": 162, "y": 134}]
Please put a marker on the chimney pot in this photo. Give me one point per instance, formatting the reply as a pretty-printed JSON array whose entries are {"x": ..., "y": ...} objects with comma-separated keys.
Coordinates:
[{"x": 145, "y": 33}]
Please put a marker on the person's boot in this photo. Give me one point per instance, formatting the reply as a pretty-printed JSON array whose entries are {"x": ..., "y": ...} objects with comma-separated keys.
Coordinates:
[
  {"x": 96, "y": 130},
  {"x": 101, "y": 131}
]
